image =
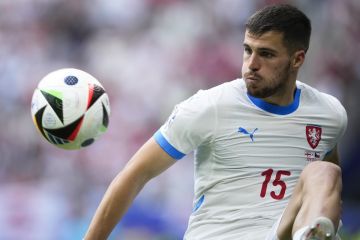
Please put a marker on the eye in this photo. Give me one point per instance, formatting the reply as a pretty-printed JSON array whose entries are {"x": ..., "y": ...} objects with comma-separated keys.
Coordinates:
[
  {"x": 247, "y": 50},
  {"x": 266, "y": 54}
]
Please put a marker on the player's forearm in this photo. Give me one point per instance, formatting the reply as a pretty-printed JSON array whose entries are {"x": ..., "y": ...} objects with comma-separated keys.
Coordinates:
[
  {"x": 147, "y": 163},
  {"x": 113, "y": 206}
]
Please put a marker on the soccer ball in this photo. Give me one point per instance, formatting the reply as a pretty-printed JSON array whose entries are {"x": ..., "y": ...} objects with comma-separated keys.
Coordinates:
[{"x": 70, "y": 108}]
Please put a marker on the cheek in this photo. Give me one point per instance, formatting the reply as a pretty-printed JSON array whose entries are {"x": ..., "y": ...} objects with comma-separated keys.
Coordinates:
[
  {"x": 275, "y": 68},
  {"x": 243, "y": 69},
  {"x": 245, "y": 64}
]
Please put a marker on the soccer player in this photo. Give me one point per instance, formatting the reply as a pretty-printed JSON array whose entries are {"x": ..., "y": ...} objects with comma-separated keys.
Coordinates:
[{"x": 266, "y": 157}]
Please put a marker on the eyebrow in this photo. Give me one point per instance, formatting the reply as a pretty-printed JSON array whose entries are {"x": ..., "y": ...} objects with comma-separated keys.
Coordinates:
[{"x": 262, "y": 48}]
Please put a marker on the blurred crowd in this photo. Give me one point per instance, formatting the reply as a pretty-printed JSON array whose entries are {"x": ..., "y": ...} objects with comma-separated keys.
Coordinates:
[{"x": 149, "y": 55}]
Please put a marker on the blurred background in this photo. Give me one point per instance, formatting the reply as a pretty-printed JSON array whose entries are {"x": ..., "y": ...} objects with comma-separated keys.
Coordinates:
[{"x": 149, "y": 55}]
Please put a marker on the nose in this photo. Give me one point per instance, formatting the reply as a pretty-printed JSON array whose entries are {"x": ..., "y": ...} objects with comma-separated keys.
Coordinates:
[{"x": 253, "y": 62}]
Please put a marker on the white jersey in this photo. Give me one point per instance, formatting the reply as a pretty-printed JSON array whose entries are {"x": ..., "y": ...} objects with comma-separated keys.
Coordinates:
[{"x": 248, "y": 154}]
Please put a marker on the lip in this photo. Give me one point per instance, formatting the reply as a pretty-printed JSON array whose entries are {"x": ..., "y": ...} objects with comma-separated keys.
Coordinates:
[{"x": 252, "y": 79}]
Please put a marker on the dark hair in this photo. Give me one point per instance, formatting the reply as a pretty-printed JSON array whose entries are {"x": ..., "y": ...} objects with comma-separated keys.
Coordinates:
[{"x": 283, "y": 18}]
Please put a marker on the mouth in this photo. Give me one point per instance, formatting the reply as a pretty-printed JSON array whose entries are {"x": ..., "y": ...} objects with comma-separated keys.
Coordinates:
[
  {"x": 252, "y": 79},
  {"x": 251, "y": 75}
]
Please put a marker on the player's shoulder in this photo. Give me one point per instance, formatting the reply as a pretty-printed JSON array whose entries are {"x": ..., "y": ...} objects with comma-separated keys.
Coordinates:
[
  {"x": 226, "y": 87},
  {"x": 216, "y": 94},
  {"x": 320, "y": 100}
]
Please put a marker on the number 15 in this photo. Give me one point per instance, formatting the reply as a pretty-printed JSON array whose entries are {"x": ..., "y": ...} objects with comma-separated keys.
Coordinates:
[{"x": 277, "y": 182}]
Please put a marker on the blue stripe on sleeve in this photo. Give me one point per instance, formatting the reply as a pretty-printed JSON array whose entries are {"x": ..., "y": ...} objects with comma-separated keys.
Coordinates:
[{"x": 167, "y": 147}]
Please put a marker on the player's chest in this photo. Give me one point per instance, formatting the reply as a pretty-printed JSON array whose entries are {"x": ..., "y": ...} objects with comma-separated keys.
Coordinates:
[{"x": 244, "y": 138}]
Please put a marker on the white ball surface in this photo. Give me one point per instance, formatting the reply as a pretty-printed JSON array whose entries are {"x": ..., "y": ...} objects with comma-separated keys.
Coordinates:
[{"x": 70, "y": 108}]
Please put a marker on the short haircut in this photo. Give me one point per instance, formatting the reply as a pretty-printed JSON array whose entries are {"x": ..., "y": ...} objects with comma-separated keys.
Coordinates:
[{"x": 283, "y": 18}]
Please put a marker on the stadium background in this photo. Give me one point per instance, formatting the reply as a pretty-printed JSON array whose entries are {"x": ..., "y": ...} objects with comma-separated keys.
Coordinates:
[{"x": 149, "y": 55}]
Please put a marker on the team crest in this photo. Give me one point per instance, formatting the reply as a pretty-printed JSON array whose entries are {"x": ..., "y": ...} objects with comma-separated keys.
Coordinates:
[{"x": 313, "y": 135}]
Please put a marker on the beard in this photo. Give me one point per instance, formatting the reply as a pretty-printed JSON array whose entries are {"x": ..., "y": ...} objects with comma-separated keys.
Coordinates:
[{"x": 263, "y": 88}]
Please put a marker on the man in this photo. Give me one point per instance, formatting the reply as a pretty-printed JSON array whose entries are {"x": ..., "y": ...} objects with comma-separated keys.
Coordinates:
[{"x": 258, "y": 141}]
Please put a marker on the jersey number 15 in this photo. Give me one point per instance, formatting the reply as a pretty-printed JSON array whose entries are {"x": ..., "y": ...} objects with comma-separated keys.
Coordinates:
[{"x": 276, "y": 182}]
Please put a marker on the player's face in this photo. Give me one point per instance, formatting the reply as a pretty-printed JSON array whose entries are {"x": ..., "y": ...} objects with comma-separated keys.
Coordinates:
[{"x": 267, "y": 68}]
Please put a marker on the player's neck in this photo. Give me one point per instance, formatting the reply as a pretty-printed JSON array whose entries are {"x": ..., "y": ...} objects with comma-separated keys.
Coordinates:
[{"x": 284, "y": 96}]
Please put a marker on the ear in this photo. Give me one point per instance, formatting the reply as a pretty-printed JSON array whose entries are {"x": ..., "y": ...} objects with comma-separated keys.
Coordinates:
[{"x": 298, "y": 58}]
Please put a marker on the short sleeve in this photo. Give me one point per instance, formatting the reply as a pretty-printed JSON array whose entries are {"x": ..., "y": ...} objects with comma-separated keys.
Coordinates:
[
  {"x": 343, "y": 120},
  {"x": 191, "y": 124},
  {"x": 340, "y": 117}
]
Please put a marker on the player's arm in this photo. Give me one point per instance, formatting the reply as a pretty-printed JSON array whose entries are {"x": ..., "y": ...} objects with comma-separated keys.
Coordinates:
[
  {"x": 147, "y": 163},
  {"x": 333, "y": 156}
]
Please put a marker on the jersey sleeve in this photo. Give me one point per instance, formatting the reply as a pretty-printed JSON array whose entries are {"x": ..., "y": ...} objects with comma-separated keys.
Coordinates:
[
  {"x": 343, "y": 120},
  {"x": 341, "y": 117},
  {"x": 191, "y": 124}
]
